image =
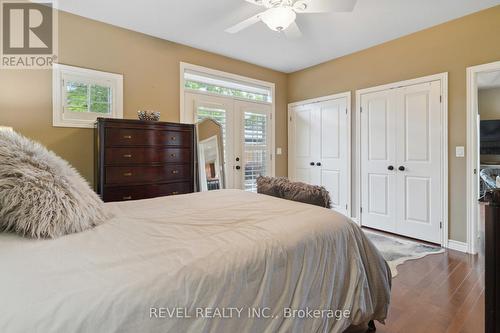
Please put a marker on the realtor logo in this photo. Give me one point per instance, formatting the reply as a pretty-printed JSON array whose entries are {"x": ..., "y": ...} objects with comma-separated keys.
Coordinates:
[{"x": 28, "y": 36}]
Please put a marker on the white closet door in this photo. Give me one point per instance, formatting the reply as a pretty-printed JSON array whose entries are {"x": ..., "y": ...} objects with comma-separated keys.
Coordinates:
[
  {"x": 419, "y": 161},
  {"x": 306, "y": 144},
  {"x": 319, "y": 148},
  {"x": 334, "y": 151},
  {"x": 378, "y": 160}
]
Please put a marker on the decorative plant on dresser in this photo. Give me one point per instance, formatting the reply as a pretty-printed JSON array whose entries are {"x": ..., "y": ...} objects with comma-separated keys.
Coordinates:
[{"x": 143, "y": 159}]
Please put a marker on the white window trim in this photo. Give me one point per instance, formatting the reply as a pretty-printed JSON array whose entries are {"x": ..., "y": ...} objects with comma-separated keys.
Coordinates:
[
  {"x": 186, "y": 119},
  {"x": 59, "y": 70}
]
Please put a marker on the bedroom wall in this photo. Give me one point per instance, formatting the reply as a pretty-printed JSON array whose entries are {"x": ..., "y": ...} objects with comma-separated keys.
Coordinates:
[
  {"x": 450, "y": 47},
  {"x": 151, "y": 81},
  {"x": 489, "y": 109},
  {"x": 489, "y": 103}
]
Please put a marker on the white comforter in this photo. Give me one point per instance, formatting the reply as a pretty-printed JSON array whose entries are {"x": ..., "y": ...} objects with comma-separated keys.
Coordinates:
[{"x": 179, "y": 264}]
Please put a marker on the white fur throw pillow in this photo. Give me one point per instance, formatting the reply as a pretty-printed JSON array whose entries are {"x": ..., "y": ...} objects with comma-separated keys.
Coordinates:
[{"x": 41, "y": 195}]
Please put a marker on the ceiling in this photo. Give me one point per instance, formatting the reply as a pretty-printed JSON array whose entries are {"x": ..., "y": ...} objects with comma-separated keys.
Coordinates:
[
  {"x": 201, "y": 24},
  {"x": 488, "y": 80}
]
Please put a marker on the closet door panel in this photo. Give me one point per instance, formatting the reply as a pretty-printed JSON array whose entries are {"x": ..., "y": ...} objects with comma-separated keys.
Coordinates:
[
  {"x": 306, "y": 144},
  {"x": 334, "y": 151},
  {"x": 378, "y": 156},
  {"x": 419, "y": 153}
]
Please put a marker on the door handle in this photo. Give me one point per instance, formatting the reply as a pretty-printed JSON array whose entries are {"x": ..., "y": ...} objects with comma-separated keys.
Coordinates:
[
  {"x": 318, "y": 164},
  {"x": 238, "y": 167},
  {"x": 401, "y": 168},
  {"x": 390, "y": 167},
  {"x": 311, "y": 164}
]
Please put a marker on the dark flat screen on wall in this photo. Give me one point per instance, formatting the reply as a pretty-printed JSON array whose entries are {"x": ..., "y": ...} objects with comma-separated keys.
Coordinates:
[{"x": 490, "y": 137}]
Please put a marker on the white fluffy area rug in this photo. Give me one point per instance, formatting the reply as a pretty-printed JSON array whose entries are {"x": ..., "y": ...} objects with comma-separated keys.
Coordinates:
[{"x": 397, "y": 250}]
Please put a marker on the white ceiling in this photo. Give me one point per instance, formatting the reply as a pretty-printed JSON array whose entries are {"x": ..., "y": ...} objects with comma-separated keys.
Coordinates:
[{"x": 201, "y": 24}]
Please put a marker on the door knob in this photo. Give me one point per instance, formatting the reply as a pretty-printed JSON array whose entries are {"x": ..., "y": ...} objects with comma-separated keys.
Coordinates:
[
  {"x": 390, "y": 167},
  {"x": 237, "y": 159},
  {"x": 238, "y": 167},
  {"x": 318, "y": 164},
  {"x": 401, "y": 168},
  {"x": 312, "y": 163}
]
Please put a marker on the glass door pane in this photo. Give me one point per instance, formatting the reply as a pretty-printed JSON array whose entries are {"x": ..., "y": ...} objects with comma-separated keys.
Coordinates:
[{"x": 255, "y": 151}]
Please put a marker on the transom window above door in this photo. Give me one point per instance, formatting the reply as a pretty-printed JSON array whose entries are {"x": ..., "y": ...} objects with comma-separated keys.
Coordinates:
[{"x": 205, "y": 83}]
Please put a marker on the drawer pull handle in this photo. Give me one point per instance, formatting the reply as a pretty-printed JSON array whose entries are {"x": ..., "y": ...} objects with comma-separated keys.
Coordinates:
[
  {"x": 127, "y": 136},
  {"x": 173, "y": 138},
  {"x": 129, "y": 197},
  {"x": 127, "y": 155},
  {"x": 175, "y": 192},
  {"x": 175, "y": 172},
  {"x": 173, "y": 155},
  {"x": 127, "y": 174}
]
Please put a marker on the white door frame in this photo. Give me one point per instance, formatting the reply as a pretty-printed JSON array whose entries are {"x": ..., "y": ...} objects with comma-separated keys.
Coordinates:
[
  {"x": 472, "y": 152},
  {"x": 443, "y": 78},
  {"x": 184, "y": 118},
  {"x": 291, "y": 160}
]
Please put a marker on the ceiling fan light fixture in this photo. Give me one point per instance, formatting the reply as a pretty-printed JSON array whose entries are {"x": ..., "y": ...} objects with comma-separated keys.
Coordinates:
[{"x": 279, "y": 18}]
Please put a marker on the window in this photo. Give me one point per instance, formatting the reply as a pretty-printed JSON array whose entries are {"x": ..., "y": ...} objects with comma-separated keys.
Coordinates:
[
  {"x": 201, "y": 82},
  {"x": 82, "y": 95}
]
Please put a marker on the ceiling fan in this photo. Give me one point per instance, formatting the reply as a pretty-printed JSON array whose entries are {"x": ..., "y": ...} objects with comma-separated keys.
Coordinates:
[{"x": 280, "y": 15}]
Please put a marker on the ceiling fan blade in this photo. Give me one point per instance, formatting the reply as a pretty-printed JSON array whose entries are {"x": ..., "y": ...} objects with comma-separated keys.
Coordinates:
[
  {"x": 293, "y": 31},
  {"x": 244, "y": 24},
  {"x": 324, "y": 6}
]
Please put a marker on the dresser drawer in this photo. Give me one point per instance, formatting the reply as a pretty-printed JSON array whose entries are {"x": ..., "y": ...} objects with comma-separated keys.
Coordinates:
[
  {"x": 138, "y": 155},
  {"x": 147, "y": 137},
  {"x": 147, "y": 174},
  {"x": 124, "y": 193}
]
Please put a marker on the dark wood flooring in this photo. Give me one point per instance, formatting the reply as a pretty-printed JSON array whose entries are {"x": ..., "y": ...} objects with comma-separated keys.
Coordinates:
[{"x": 438, "y": 293}]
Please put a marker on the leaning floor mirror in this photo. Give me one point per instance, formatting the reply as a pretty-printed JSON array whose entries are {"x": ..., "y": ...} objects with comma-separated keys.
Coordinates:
[{"x": 210, "y": 153}]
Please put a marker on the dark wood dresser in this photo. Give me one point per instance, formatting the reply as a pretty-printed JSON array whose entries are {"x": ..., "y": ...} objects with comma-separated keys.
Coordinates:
[{"x": 143, "y": 159}]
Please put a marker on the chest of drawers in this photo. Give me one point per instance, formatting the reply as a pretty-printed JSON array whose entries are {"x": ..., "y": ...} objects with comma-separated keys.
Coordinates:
[{"x": 143, "y": 159}]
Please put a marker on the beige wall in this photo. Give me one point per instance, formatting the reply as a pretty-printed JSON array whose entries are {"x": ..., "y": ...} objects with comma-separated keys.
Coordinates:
[
  {"x": 450, "y": 47},
  {"x": 489, "y": 109},
  {"x": 489, "y": 103},
  {"x": 151, "y": 81}
]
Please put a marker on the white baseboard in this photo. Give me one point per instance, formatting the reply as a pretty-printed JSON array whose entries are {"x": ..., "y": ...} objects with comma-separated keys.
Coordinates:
[{"x": 457, "y": 246}]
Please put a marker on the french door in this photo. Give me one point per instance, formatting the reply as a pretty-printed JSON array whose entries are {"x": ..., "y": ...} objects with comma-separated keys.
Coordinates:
[
  {"x": 401, "y": 160},
  {"x": 246, "y": 135}
]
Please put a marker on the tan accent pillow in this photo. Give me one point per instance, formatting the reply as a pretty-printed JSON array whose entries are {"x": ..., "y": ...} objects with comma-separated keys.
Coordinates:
[
  {"x": 282, "y": 188},
  {"x": 41, "y": 195},
  {"x": 310, "y": 194}
]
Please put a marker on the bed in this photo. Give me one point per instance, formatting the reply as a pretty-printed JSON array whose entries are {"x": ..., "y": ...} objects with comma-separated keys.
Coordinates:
[{"x": 218, "y": 261}]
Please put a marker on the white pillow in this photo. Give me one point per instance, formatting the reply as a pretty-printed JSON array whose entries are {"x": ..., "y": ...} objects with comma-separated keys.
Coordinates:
[{"x": 41, "y": 195}]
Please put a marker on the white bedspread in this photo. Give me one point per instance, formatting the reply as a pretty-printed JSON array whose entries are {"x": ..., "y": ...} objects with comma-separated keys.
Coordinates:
[{"x": 199, "y": 255}]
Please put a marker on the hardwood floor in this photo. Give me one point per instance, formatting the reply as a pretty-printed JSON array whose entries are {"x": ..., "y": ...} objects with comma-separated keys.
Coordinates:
[{"x": 438, "y": 293}]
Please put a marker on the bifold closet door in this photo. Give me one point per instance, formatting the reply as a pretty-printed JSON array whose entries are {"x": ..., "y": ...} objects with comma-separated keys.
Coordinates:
[
  {"x": 319, "y": 143},
  {"x": 401, "y": 161}
]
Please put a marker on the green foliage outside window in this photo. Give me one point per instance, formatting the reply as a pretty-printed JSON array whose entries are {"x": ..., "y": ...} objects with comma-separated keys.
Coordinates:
[
  {"x": 80, "y": 95},
  {"x": 226, "y": 91}
]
